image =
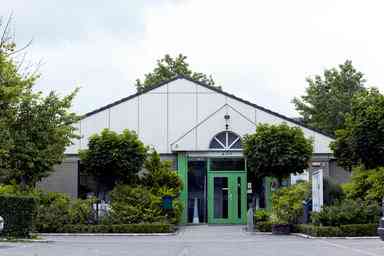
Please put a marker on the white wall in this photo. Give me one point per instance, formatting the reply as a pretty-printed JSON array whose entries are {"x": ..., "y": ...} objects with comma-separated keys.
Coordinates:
[{"x": 183, "y": 116}]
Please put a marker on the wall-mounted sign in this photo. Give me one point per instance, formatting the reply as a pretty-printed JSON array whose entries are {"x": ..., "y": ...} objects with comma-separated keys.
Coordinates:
[{"x": 249, "y": 188}]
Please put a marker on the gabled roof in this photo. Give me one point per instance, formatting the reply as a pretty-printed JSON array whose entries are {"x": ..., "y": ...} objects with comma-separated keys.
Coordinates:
[{"x": 210, "y": 88}]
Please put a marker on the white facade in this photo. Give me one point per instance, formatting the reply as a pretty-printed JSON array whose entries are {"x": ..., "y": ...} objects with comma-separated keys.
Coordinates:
[{"x": 183, "y": 115}]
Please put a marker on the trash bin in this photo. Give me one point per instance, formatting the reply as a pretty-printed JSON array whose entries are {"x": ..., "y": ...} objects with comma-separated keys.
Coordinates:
[{"x": 167, "y": 202}]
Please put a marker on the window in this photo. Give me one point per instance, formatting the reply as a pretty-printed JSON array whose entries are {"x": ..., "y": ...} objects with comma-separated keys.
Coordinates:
[
  {"x": 226, "y": 140},
  {"x": 227, "y": 164}
]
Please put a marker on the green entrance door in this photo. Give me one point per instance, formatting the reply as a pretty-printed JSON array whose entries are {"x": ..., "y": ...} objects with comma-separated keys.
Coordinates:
[{"x": 227, "y": 197}]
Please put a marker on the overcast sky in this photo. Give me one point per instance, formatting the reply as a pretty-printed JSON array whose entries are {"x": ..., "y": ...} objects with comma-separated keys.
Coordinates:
[{"x": 259, "y": 50}]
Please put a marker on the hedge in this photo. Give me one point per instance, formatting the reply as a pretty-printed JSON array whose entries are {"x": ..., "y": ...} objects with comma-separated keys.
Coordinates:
[
  {"x": 352, "y": 230},
  {"x": 264, "y": 226},
  {"x": 118, "y": 228},
  {"x": 18, "y": 213}
]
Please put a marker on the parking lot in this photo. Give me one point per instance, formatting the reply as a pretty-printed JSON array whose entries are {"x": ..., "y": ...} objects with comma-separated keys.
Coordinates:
[{"x": 195, "y": 240}]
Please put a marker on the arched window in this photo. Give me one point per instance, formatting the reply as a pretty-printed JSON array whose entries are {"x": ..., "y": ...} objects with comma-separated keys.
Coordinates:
[{"x": 226, "y": 140}]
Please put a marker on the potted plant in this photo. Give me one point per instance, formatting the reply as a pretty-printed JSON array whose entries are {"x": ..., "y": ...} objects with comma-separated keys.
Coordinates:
[{"x": 287, "y": 206}]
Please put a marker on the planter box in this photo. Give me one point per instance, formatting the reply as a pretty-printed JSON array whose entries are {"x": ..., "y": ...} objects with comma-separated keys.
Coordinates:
[{"x": 281, "y": 229}]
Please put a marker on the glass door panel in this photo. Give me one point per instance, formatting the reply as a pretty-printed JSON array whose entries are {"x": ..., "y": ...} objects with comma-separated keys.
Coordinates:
[{"x": 220, "y": 197}]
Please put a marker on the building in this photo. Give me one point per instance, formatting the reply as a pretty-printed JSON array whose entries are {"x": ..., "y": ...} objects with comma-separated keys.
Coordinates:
[{"x": 198, "y": 128}]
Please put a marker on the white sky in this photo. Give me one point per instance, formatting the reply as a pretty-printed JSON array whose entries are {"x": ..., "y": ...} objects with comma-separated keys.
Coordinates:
[{"x": 259, "y": 50}]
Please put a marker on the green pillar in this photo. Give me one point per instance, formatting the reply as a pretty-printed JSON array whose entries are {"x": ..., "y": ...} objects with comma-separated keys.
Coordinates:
[{"x": 182, "y": 165}]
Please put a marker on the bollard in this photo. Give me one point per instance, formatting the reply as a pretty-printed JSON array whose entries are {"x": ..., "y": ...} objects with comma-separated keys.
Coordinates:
[
  {"x": 380, "y": 230},
  {"x": 1, "y": 224},
  {"x": 250, "y": 224}
]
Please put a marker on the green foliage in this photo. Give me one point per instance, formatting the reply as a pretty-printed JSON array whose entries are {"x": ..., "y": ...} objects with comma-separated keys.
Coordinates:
[
  {"x": 332, "y": 191},
  {"x": 366, "y": 185},
  {"x": 13, "y": 85},
  {"x": 353, "y": 230},
  {"x": 53, "y": 210},
  {"x": 112, "y": 157},
  {"x": 328, "y": 98},
  {"x": 168, "y": 68},
  {"x": 264, "y": 226},
  {"x": 34, "y": 129},
  {"x": 119, "y": 228},
  {"x": 57, "y": 209},
  {"x": 131, "y": 205},
  {"x": 41, "y": 131},
  {"x": 18, "y": 212},
  {"x": 361, "y": 141},
  {"x": 287, "y": 203},
  {"x": 261, "y": 215},
  {"x": 160, "y": 177},
  {"x": 347, "y": 212},
  {"x": 276, "y": 151}
]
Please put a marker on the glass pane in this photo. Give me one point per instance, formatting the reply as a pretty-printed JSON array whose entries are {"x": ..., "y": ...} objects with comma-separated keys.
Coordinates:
[
  {"x": 222, "y": 137},
  {"x": 197, "y": 190},
  {"x": 227, "y": 164},
  {"x": 237, "y": 145},
  {"x": 215, "y": 144},
  {"x": 220, "y": 197},
  {"x": 231, "y": 137},
  {"x": 239, "y": 197}
]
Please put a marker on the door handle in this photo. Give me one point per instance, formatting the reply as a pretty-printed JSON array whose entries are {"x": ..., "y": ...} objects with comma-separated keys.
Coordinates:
[{"x": 224, "y": 188}]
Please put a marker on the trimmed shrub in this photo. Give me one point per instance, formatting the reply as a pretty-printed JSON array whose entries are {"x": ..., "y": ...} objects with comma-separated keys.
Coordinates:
[
  {"x": 57, "y": 209},
  {"x": 347, "y": 212},
  {"x": 130, "y": 205},
  {"x": 359, "y": 229},
  {"x": 261, "y": 216},
  {"x": 341, "y": 231},
  {"x": 119, "y": 228},
  {"x": 18, "y": 212},
  {"x": 287, "y": 203},
  {"x": 264, "y": 226}
]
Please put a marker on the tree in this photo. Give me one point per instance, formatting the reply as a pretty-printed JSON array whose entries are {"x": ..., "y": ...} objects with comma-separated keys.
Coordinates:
[
  {"x": 276, "y": 151},
  {"x": 367, "y": 185},
  {"x": 329, "y": 98},
  {"x": 12, "y": 86},
  {"x": 34, "y": 129},
  {"x": 159, "y": 175},
  {"x": 362, "y": 139},
  {"x": 42, "y": 129},
  {"x": 168, "y": 68},
  {"x": 113, "y": 158}
]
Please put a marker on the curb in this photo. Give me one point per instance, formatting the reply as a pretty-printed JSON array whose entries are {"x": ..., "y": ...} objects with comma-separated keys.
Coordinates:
[
  {"x": 26, "y": 241},
  {"x": 106, "y": 234},
  {"x": 334, "y": 237}
]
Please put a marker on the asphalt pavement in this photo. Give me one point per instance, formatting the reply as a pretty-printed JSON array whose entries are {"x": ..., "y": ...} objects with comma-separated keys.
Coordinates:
[{"x": 197, "y": 241}]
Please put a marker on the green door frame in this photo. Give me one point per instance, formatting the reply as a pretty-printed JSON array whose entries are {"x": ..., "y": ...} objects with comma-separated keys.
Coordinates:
[
  {"x": 233, "y": 197},
  {"x": 232, "y": 186}
]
